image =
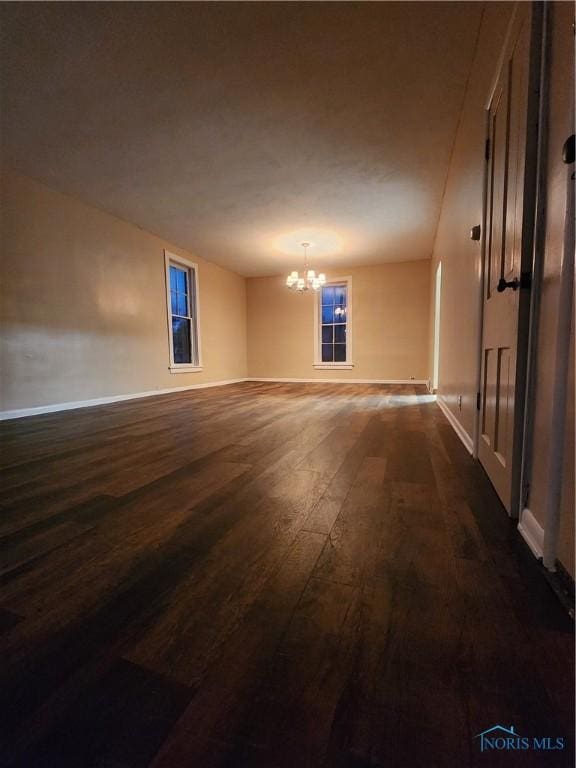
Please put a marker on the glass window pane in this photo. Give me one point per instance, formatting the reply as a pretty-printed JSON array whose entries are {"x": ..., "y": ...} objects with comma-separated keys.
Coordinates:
[
  {"x": 173, "y": 279},
  {"x": 340, "y": 314},
  {"x": 181, "y": 340},
  {"x": 327, "y": 314},
  {"x": 327, "y": 334},
  {"x": 339, "y": 353},
  {"x": 327, "y": 353},
  {"x": 182, "y": 304},
  {"x": 340, "y": 294},
  {"x": 328, "y": 295},
  {"x": 182, "y": 281},
  {"x": 173, "y": 303},
  {"x": 340, "y": 334}
]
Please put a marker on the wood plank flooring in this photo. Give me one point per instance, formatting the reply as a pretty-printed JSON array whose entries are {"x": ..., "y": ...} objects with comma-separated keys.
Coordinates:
[{"x": 267, "y": 576}]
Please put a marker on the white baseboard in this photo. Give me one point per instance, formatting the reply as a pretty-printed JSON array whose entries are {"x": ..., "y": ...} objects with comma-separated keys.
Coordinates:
[
  {"x": 22, "y": 412},
  {"x": 338, "y": 381},
  {"x": 458, "y": 428},
  {"x": 532, "y": 532}
]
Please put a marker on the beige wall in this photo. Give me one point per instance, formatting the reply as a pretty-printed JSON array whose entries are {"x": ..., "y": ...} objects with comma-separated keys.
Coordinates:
[
  {"x": 390, "y": 325},
  {"x": 561, "y": 125},
  {"x": 461, "y": 210},
  {"x": 83, "y": 305}
]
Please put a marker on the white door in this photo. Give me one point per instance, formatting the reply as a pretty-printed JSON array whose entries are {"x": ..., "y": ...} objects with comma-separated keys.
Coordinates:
[
  {"x": 507, "y": 256},
  {"x": 437, "y": 306}
]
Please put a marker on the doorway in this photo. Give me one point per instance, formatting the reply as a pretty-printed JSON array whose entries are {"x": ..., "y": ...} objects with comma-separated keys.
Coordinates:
[
  {"x": 437, "y": 305},
  {"x": 509, "y": 216}
]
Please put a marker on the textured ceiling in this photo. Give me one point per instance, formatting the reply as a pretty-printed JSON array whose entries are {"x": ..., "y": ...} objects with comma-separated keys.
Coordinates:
[{"x": 236, "y": 130}]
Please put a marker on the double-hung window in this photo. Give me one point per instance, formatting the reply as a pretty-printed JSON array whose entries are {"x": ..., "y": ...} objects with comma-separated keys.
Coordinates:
[
  {"x": 333, "y": 325},
  {"x": 183, "y": 324}
]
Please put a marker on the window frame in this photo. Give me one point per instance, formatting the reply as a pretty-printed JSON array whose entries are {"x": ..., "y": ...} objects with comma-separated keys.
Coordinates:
[
  {"x": 348, "y": 363},
  {"x": 172, "y": 259}
]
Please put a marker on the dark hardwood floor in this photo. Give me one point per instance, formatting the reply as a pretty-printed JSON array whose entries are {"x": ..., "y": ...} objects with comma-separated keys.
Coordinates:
[{"x": 267, "y": 575}]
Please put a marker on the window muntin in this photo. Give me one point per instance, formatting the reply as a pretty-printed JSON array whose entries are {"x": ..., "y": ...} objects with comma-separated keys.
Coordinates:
[
  {"x": 182, "y": 279},
  {"x": 181, "y": 318},
  {"x": 334, "y": 314}
]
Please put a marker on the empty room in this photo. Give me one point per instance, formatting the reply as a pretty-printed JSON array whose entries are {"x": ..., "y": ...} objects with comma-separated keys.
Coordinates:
[{"x": 287, "y": 384}]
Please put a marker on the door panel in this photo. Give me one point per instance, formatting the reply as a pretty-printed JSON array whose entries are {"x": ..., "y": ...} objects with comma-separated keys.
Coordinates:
[
  {"x": 504, "y": 400},
  {"x": 507, "y": 253},
  {"x": 499, "y": 145},
  {"x": 518, "y": 75},
  {"x": 489, "y": 400}
]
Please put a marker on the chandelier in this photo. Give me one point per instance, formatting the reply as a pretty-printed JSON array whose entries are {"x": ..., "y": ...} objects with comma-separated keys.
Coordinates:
[{"x": 308, "y": 280}]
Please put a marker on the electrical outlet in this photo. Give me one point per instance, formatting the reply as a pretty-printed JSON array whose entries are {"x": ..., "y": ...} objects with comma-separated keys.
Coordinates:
[{"x": 459, "y": 402}]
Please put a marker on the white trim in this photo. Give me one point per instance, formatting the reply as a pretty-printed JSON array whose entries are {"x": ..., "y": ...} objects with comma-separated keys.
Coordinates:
[
  {"x": 194, "y": 310},
  {"x": 333, "y": 366},
  {"x": 23, "y": 412},
  {"x": 184, "y": 368},
  {"x": 532, "y": 532},
  {"x": 347, "y": 364},
  {"x": 481, "y": 290},
  {"x": 437, "y": 314},
  {"x": 458, "y": 428},
  {"x": 337, "y": 381}
]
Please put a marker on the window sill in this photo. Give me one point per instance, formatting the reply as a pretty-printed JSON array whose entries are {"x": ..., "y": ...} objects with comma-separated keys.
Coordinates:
[
  {"x": 334, "y": 366},
  {"x": 185, "y": 368}
]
